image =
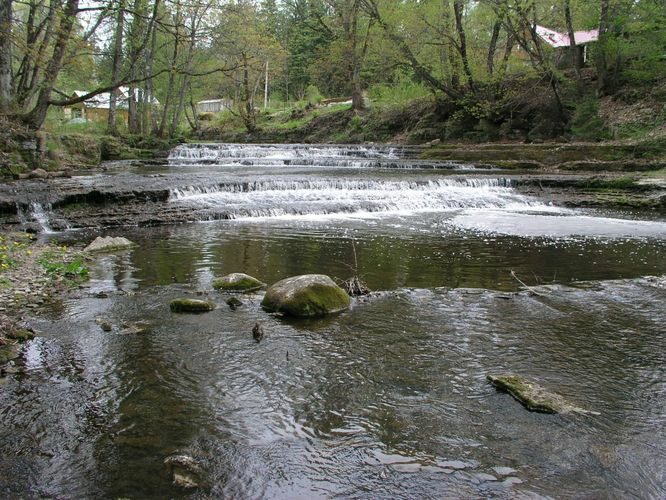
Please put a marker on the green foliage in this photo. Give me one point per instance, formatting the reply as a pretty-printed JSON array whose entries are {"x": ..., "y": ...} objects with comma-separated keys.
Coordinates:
[
  {"x": 12, "y": 249},
  {"x": 399, "y": 94},
  {"x": 586, "y": 124},
  {"x": 312, "y": 95},
  {"x": 356, "y": 124},
  {"x": 57, "y": 262}
]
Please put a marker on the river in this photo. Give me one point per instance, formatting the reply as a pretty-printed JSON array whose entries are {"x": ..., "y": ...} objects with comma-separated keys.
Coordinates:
[{"x": 386, "y": 400}]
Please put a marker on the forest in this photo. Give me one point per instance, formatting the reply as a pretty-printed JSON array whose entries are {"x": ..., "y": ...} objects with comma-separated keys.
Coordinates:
[{"x": 480, "y": 66}]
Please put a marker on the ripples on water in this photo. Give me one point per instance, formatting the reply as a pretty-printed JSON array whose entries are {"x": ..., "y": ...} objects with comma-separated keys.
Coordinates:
[
  {"x": 386, "y": 400},
  {"x": 331, "y": 407}
]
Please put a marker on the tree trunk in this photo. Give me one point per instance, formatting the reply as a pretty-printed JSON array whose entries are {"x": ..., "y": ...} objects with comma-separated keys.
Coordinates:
[
  {"x": 572, "y": 44},
  {"x": 115, "y": 70},
  {"x": 355, "y": 58},
  {"x": 452, "y": 51},
  {"x": 602, "y": 47},
  {"x": 492, "y": 48},
  {"x": 5, "y": 56},
  {"x": 247, "y": 106},
  {"x": 458, "y": 11},
  {"x": 35, "y": 118}
]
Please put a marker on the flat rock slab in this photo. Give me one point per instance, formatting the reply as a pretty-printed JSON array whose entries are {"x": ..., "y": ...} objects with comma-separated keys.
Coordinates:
[
  {"x": 534, "y": 397},
  {"x": 306, "y": 296},
  {"x": 191, "y": 306},
  {"x": 238, "y": 282},
  {"x": 108, "y": 244}
]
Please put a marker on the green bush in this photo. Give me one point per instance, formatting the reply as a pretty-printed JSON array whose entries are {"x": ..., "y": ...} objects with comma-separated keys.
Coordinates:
[
  {"x": 403, "y": 92},
  {"x": 312, "y": 95},
  {"x": 586, "y": 124}
]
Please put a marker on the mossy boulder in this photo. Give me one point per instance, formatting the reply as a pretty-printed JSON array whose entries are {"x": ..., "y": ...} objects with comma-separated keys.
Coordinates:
[
  {"x": 238, "y": 282},
  {"x": 532, "y": 396},
  {"x": 185, "y": 305},
  {"x": 306, "y": 296}
]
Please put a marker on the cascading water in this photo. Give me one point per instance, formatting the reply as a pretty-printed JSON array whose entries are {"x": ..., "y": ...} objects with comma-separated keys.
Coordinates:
[
  {"x": 231, "y": 155},
  {"x": 350, "y": 196},
  {"x": 36, "y": 213},
  {"x": 316, "y": 181}
]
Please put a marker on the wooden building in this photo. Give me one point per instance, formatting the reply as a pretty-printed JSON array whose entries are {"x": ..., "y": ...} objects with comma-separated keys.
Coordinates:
[
  {"x": 96, "y": 109},
  {"x": 214, "y": 105}
]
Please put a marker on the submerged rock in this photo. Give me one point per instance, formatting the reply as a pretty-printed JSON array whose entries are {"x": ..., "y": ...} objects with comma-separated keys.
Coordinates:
[
  {"x": 104, "y": 324},
  {"x": 234, "y": 302},
  {"x": 238, "y": 282},
  {"x": 532, "y": 396},
  {"x": 108, "y": 244},
  {"x": 306, "y": 296},
  {"x": 135, "y": 328},
  {"x": 184, "y": 305},
  {"x": 185, "y": 471}
]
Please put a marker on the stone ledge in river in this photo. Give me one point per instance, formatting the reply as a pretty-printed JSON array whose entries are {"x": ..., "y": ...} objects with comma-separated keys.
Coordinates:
[
  {"x": 238, "y": 282},
  {"x": 534, "y": 397},
  {"x": 108, "y": 244},
  {"x": 184, "y": 305},
  {"x": 306, "y": 296}
]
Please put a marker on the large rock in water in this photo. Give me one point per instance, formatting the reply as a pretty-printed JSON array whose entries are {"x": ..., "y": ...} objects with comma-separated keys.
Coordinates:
[
  {"x": 238, "y": 282},
  {"x": 108, "y": 244},
  {"x": 534, "y": 397},
  {"x": 306, "y": 296}
]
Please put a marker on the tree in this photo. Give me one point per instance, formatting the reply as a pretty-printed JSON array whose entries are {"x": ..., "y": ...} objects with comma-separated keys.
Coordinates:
[{"x": 5, "y": 55}]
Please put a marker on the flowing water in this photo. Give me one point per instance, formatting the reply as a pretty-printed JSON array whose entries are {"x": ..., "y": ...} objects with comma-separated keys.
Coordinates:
[{"x": 386, "y": 400}]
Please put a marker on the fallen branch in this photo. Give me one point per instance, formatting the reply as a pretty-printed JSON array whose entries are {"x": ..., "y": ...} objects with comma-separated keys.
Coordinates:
[{"x": 532, "y": 290}]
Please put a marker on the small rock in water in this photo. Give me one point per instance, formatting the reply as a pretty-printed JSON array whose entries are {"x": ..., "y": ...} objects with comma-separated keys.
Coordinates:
[
  {"x": 185, "y": 471},
  {"x": 238, "y": 282},
  {"x": 108, "y": 243},
  {"x": 234, "y": 302},
  {"x": 185, "y": 305},
  {"x": 104, "y": 324},
  {"x": 257, "y": 332},
  {"x": 135, "y": 329}
]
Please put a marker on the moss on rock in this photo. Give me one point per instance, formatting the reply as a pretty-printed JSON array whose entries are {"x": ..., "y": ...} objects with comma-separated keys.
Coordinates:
[
  {"x": 306, "y": 296},
  {"x": 237, "y": 282},
  {"x": 184, "y": 305}
]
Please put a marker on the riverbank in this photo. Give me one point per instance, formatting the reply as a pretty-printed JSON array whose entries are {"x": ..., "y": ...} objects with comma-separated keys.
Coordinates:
[
  {"x": 60, "y": 151},
  {"x": 33, "y": 276}
]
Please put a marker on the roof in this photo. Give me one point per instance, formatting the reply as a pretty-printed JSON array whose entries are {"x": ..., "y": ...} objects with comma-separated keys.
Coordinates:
[
  {"x": 556, "y": 39},
  {"x": 212, "y": 101},
  {"x": 102, "y": 101}
]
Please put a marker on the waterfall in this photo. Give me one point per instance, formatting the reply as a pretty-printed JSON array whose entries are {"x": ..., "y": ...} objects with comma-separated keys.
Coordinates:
[
  {"x": 340, "y": 196},
  {"x": 324, "y": 156},
  {"x": 36, "y": 213}
]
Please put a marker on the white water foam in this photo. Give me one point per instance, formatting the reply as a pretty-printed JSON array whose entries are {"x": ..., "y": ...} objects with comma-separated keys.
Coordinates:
[
  {"x": 351, "y": 197},
  {"x": 560, "y": 225}
]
